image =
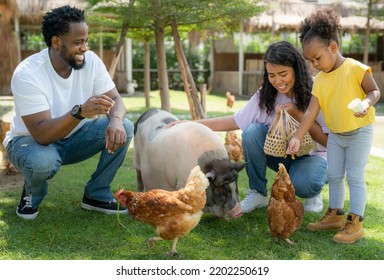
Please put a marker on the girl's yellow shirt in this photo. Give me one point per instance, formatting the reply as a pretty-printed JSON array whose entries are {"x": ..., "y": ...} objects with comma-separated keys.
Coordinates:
[{"x": 336, "y": 89}]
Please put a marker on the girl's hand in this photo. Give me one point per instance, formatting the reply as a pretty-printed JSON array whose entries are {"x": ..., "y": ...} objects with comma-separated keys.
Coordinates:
[
  {"x": 293, "y": 146},
  {"x": 363, "y": 113}
]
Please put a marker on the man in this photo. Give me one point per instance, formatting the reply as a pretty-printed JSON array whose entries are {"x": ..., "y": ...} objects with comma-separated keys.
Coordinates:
[{"x": 57, "y": 94}]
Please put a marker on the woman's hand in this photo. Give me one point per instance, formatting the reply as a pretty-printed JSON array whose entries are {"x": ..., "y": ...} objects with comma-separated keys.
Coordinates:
[
  {"x": 290, "y": 107},
  {"x": 174, "y": 123}
]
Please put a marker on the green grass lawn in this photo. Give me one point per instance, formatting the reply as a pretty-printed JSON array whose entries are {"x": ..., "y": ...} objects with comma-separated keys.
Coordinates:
[{"x": 64, "y": 231}]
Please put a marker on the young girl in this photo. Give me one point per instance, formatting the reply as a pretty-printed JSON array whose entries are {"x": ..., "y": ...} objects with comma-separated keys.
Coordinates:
[{"x": 339, "y": 81}]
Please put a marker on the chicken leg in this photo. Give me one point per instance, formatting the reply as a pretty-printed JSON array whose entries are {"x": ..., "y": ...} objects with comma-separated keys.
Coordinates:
[{"x": 173, "y": 251}]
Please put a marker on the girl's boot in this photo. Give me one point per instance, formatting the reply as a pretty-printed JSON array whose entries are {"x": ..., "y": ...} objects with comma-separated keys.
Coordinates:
[
  {"x": 332, "y": 220},
  {"x": 352, "y": 230}
]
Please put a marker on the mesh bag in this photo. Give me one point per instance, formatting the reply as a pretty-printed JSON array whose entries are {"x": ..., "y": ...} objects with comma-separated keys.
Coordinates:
[
  {"x": 276, "y": 140},
  {"x": 291, "y": 125},
  {"x": 280, "y": 132}
]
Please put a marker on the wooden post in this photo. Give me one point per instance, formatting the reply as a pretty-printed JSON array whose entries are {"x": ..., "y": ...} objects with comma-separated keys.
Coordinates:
[{"x": 203, "y": 98}]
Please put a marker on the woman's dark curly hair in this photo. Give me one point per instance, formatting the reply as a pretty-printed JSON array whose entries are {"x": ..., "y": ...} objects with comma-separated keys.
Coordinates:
[
  {"x": 323, "y": 25},
  {"x": 284, "y": 53},
  {"x": 56, "y": 22}
]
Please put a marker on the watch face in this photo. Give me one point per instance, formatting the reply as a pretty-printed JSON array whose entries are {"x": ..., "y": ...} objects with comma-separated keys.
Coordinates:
[{"x": 75, "y": 110}]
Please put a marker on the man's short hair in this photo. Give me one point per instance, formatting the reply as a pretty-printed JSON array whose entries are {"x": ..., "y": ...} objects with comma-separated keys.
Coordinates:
[{"x": 57, "y": 22}]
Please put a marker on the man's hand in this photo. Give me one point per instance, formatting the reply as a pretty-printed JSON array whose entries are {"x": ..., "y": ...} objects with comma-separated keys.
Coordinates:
[
  {"x": 96, "y": 105},
  {"x": 115, "y": 135}
]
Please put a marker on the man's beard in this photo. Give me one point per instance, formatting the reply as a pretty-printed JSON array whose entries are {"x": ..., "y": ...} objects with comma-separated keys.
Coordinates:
[{"x": 70, "y": 60}]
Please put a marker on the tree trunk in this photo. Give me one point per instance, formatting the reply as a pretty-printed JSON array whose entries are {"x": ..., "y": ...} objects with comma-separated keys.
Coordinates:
[
  {"x": 161, "y": 62},
  {"x": 203, "y": 94},
  {"x": 120, "y": 44},
  {"x": 211, "y": 77},
  {"x": 183, "y": 71},
  {"x": 367, "y": 32},
  {"x": 147, "y": 75},
  {"x": 119, "y": 49},
  {"x": 184, "y": 64}
]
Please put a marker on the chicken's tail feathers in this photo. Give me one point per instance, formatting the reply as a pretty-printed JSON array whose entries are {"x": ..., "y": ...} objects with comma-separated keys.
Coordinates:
[
  {"x": 282, "y": 168},
  {"x": 282, "y": 173},
  {"x": 197, "y": 179}
]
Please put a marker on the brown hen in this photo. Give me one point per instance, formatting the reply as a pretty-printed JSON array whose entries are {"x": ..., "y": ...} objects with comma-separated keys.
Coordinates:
[
  {"x": 173, "y": 213},
  {"x": 285, "y": 212},
  {"x": 233, "y": 146},
  {"x": 8, "y": 167},
  {"x": 230, "y": 99}
]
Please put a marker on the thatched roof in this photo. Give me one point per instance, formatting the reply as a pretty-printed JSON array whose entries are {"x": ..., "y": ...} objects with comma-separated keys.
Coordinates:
[
  {"x": 285, "y": 15},
  {"x": 32, "y": 11}
]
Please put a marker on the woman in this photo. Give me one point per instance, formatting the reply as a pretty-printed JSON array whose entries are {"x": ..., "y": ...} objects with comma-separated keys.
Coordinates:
[{"x": 287, "y": 84}]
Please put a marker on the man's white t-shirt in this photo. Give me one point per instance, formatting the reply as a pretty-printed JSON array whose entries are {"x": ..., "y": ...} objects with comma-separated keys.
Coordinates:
[{"x": 36, "y": 87}]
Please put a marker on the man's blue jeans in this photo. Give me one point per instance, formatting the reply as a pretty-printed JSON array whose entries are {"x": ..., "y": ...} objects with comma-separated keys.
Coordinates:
[
  {"x": 308, "y": 173},
  {"x": 39, "y": 163}
]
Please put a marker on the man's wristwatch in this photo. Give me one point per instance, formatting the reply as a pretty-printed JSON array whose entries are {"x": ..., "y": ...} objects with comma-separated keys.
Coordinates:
[{"x": 75, "y": 112}]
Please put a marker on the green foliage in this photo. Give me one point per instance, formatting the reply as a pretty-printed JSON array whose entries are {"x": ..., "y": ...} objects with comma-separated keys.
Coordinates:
[
  {"x": 354, "y": 43},
  {"x": 197, "y": 57},
  {"x": 259, "y": 42},
  {"x": 32, "y": 41},
  {"x": 109, "y": 40},
  {"x": 223, "y": 15}
]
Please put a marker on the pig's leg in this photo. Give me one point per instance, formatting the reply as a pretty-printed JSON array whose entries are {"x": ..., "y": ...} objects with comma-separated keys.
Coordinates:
[{"x": 139, "y": 181}]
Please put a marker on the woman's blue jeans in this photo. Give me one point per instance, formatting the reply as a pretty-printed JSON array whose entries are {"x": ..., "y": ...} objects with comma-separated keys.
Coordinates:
[
  {"x": 308, "y": 173},
  {"x": 39, "y": 163}
]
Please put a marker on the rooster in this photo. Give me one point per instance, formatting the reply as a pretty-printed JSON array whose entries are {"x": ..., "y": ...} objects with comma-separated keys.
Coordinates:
[
  {"x": 9, "y": 169},
  {"x": 230, "y": 99},
  {"x": 285, "y": 212},
  {"x": 173, "y": 213},
  {"x": 233, "y": 146}
]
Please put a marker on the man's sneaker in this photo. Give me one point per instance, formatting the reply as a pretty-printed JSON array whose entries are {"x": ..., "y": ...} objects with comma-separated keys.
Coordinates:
[
  {"x": 24, "y": 209},
  {"x": 103, "y": 207},
  {"x": 314, "y": 204},
  {"x": 253, "y": 200}
]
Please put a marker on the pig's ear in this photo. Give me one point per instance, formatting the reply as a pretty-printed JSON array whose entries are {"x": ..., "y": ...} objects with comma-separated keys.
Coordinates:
[
  {"x": 211, "y": 175},
  {"x": 239, "y": 165}
]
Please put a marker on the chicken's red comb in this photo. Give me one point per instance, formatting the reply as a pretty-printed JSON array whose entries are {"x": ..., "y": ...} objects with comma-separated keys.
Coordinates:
[{"x": 118, "y": 193}]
